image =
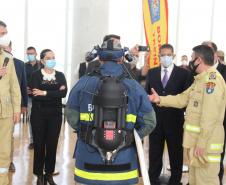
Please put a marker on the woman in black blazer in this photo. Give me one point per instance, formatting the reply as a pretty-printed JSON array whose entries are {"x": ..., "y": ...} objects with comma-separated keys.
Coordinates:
[{"x": 48, "y": 87}]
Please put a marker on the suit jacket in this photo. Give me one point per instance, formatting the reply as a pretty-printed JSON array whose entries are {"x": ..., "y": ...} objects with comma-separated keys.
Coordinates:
[
  {"x": 21, "y": 75},
  {"x": 94, "y": 65},
  {"x": 171, "y": 120},
  {"x": 82, "y": 69}
]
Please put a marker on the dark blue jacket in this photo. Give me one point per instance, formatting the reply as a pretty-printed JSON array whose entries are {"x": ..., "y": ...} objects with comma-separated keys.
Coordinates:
[
  {"x": 21, "y": 75},
  {"x": 139, "y": 110}
]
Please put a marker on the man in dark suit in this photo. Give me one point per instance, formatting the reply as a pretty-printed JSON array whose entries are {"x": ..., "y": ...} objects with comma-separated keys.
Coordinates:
[
  {"x": 167, "y": 79},
  {"x": 222, "y": 69},
  {"x": 80, "y": 70},
  {"x": 94, "y": 65}
]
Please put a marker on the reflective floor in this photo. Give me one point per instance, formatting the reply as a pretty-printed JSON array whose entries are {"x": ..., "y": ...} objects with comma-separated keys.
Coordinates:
[{"x": 23, "y": 158}]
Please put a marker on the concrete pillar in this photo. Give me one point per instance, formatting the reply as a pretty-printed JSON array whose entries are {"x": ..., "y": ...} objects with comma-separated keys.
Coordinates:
[{"x": 90, "y": 25}]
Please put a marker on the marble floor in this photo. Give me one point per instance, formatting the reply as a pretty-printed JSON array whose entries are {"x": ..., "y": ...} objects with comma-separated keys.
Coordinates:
[{"x": 23, "y": 158}]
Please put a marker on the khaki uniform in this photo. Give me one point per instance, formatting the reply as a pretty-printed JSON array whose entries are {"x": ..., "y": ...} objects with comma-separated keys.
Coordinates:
[
  {"x": 10, "y": 102},
  {"x": 205, "y": 101}
]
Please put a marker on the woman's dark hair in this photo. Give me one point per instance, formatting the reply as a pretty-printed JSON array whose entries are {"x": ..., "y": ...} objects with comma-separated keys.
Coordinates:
[{"x": 42, "y": 55}]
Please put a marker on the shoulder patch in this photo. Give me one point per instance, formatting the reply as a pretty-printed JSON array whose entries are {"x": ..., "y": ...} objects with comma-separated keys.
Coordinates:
[
  {"x": 210, "y": 87},
  {"x": 212, "y": 75},
  {"x": 7, "y": 54}
]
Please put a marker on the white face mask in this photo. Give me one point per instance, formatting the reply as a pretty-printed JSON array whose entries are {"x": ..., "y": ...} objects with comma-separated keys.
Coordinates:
[
  {"x": 5, "y": 40},
  {"x": 184, "y": 62},
  {"x": 166, "y": 61},
  {"x": 134, "y": 61}
]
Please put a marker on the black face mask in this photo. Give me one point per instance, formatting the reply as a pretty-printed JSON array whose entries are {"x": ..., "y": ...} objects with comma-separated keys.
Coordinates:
[{"x": 192, "y": 66}]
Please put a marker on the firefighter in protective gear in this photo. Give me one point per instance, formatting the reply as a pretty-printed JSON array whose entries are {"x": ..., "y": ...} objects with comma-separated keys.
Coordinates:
[
  {"x": 89, "y": 166},
  {"x": 203, "y": 128}
]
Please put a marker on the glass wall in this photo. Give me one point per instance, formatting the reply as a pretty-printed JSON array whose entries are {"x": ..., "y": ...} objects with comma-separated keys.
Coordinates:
[
  {"x": 12, "y": 13},
  {"x": 49, "y": 25}
]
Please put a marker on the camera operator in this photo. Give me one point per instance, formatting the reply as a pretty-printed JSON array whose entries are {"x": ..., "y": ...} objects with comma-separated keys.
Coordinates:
[{"x": 139, "y": 74}]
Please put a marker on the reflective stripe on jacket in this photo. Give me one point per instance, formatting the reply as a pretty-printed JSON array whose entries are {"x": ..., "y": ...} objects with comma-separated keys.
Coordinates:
[{"x": 89, "y": 166}]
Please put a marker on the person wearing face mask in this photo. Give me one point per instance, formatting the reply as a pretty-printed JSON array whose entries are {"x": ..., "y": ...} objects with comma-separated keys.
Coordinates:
[
  {"x": 48, "y": 88},
  {"x": 184, "y": 61},
  {"x": 203, "y": 128},
  {"x": 30, "y": 66},
  {"x": 139, "y": 74},
  {"x": 222, "y": 69},
  {"x": 21, "y": 75},
  {"x": 167, "y": 79},
  {"x": 10, "y": 100}
]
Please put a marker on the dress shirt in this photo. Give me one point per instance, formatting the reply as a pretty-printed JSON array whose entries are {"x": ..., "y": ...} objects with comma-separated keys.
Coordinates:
[
  {"x": 76, "y": 72},
  {"x": 169, "y": 71}
]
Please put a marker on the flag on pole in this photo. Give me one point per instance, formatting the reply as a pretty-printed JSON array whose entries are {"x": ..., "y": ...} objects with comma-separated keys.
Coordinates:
[{"x": 155, "y": 15}]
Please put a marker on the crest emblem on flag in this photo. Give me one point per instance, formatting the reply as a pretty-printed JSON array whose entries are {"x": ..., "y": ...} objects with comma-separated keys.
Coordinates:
[
  {"x": 210, "y": 87},
  {"x": 155, "y": 10}
]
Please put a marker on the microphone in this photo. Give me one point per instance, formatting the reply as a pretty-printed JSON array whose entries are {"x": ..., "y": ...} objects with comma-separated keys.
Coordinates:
[{"x": 5, "y": 64}]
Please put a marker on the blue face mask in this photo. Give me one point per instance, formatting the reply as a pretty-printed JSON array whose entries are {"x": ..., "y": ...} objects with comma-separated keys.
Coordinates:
[
  {"x": 31, "y": 58},
  {"x": 166, "y": 61},
  {"x": 50, "y": 64}
]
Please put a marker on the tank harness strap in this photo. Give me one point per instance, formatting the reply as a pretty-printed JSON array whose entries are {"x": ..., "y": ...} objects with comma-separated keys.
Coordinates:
[{"x": 95, "y": 73}]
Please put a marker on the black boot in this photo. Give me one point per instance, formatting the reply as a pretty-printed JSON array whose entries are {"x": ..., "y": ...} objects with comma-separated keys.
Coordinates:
[{"x": 49, "y": 178}]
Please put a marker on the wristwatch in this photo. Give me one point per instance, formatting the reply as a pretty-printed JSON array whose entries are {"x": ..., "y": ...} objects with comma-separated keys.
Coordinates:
[{"x": 44, "y": 93}]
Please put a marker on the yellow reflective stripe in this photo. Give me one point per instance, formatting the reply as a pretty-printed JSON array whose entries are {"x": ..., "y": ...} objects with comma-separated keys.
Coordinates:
[
  {"x": 89, "y": 117},
  {"x": 192, "y": 128},
  {"x": 218, "y": 74},
  {"x": 207, "y": 78},
  {"x": 131, "y": 118},
  {"x": 217, "y": 146},
  {"x": 86, "y": 116},
  {"x": 214, "y": 158},
  {"x": 106, "y": 176}
]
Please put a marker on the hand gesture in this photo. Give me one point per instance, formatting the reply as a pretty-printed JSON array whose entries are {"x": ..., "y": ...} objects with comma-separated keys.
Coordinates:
[
  {"x": 23, "y": 109},
  {"x": 134, "y": 50},
  {"x": 147, "y": 55},
  {"x": 16, "y": 118},
  {"x": 198, "y": 151},
  {"x": 37, "y": 92},
  {"x": 62, "y": 87},
  {"x": 29, "y": 90},
  {"x": 2, "y": 71},
  {"x": 154, "y": 98}
]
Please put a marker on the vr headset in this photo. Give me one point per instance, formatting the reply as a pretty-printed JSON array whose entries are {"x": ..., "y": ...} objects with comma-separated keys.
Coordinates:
[{"x": 110, "y": 52}]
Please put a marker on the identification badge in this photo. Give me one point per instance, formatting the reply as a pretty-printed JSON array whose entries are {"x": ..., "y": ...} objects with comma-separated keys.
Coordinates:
[
  {"x": 213, "y": 75},
  {"x": 210, "y": 87},
  {"x": 196, "y": 104},
  {"x": 8, "y": 99}
]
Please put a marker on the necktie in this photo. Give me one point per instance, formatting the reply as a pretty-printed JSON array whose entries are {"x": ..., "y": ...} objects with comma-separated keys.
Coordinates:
[{"x": 165, "y": 78}]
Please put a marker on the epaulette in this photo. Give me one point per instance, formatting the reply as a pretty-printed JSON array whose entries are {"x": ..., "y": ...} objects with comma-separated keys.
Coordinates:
[
  {"x": 213, "y": 75},
  {"x": 7, "y": 54}
]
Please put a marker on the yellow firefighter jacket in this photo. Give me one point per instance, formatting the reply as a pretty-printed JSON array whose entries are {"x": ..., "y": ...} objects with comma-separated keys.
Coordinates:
[
  {"x": 205, "y": 101},
  {"x": 10, "y": 96}
]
